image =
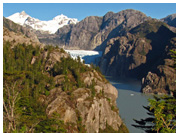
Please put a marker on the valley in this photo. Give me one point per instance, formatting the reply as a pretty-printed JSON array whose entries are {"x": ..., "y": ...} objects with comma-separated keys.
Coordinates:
[
  {"x": 95, "y": 75},
  {"x": 129, "y": 95}
]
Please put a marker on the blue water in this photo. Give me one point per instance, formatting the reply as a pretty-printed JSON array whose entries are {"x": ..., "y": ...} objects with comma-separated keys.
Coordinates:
[{"x": 130, "y": 102}]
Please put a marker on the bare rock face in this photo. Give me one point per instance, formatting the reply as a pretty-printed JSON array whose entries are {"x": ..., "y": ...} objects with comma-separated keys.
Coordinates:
[
  {"x": 53, "y": 57},
  {"x": 143, "y": 52},
  {"x": 101, "y": 113},
  {"x": 57, "y": 103},
  {"x": 18, "y": 38},
  {"x": 123, "y": 55},
  {"x": 95, "y": 111},
  {"x": 93, "y": 32},
  {"x": 162, "y": 82}
]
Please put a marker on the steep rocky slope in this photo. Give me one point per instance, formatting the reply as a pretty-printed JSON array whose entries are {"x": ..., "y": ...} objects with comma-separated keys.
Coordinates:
[
  {"x": 94, "y": 102},
  {"x": 47, "y": 91},
  {"x": 16, "y": 28},
  {"x": 170, "y": 20},
  {"x": 93, "y": 32},
  {"x": 144, "y": 51}
]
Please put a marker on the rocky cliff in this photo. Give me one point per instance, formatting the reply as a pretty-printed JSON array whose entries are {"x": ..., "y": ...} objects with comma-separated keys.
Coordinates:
[
  {"x": 92, "y": 105},
  {"x": 144, "y": 51},
  {"x": 93, "y": 32}
]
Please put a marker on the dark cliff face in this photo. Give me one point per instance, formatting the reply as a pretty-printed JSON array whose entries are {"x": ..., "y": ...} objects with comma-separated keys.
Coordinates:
[
  {"x": 93, "y": 32},
  {"x": 145, "y": 48},
  {"x": 170, "y": 20}
]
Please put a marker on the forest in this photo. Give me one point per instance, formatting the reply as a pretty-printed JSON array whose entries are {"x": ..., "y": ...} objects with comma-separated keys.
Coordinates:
[{"x": 25, "y": 81}]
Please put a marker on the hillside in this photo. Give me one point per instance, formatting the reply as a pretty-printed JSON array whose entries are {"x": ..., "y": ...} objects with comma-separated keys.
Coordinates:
[
  {"x": 144, "y": 51},
  {"x": 45, "y": 90},
  {"x": 16, "y": 28}
]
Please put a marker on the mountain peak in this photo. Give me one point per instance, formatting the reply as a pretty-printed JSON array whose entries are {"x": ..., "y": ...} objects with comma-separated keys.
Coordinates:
[
  {"x": 61, "y": 16},
  {"x": 50, "y": 26},
  {"x": 23, "y": 13},
  {"x": 170, "y": 20}
]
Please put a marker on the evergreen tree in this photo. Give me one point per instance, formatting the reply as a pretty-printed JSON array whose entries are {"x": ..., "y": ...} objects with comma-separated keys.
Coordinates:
[{"x": 162, "y": 111}]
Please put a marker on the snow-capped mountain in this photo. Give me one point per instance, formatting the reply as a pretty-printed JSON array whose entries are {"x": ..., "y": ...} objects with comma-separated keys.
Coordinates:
[{"x": 50, "y": 26}]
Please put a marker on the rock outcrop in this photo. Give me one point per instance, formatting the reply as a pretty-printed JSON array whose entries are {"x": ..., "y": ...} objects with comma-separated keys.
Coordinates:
[
  {"x": 144, "y": 51},
  {"x": 161, "y": 82},
  {"x": 95, "y": 104},
  {"x": 95, "y": 112}
]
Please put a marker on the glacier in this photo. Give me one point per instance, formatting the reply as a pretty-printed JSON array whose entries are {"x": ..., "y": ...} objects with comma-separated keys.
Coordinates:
[{"x": 88, "y": 56}]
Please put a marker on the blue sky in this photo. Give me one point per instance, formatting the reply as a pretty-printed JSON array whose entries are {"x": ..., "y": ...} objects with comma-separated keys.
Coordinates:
[{"x": 48, "y": 11}]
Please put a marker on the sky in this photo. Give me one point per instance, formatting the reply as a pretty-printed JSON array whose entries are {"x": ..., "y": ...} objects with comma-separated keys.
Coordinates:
[{"x": 47, "y": 11}]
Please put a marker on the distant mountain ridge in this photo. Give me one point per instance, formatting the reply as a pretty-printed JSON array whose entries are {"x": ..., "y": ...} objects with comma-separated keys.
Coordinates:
[
  {"x": 170, "y": 20},
  {"x": 93, "y": 32},
  {"x": 50, "y": 26}
]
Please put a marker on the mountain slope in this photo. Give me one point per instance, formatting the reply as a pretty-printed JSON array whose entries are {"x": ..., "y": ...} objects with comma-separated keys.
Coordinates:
[
  {"x": 170, "y": 20},
  {"x": 45, "y": 90},
  {"x": 93, "y": 32},
  {"x": 18, "y": 29},
  {"x": 144, "y": 49},
  {"x": 50, "y": 26}
]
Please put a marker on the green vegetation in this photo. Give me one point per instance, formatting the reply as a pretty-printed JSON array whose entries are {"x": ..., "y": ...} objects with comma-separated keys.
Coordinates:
[
  {"x": 26, "y": 79},
  {"x": 162, "y": 111},
  {"x": 81, "y": 128},
  {"x": 109, "y": 129},
  {"x": 30, "y": 73},
  {"x": 23, "y": 83},
  {"x": 97, "y": 68}
]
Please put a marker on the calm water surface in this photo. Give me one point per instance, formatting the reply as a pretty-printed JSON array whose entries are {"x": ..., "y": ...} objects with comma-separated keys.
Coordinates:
[{"x": 130, "y": 102}]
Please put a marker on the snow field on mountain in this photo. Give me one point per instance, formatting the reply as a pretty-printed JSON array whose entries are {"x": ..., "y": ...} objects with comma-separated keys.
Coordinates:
[{"x": 50, "y": 26}]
